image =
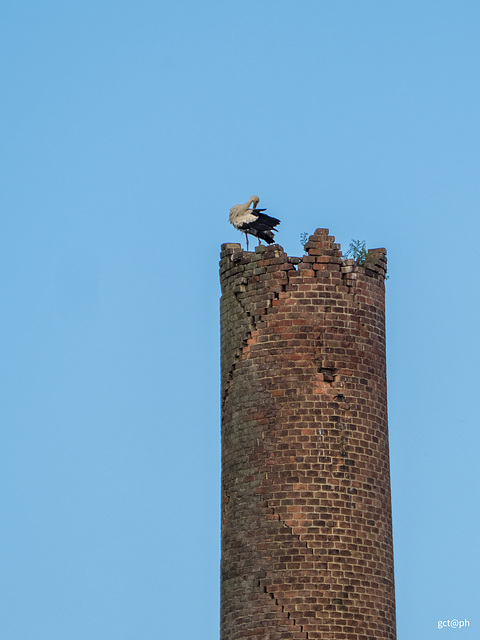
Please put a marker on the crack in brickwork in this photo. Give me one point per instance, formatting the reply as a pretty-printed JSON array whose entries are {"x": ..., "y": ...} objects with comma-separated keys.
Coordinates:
[
  {"x": 238, "y": 354},
  {"x": 264, "y": 585},
  {"x": 283, "y": 609},
  {"x": 241, "y": 285},
  {"x": 306, "y": 518}
]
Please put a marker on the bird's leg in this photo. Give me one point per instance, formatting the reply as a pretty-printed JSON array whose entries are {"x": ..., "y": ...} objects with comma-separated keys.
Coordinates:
[
  {"x": 246, "y": 235},
  {"x": 259, "y": 242}
]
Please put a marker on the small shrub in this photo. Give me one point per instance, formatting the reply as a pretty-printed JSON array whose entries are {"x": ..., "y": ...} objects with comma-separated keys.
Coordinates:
[{"x": 358, "y": 252}]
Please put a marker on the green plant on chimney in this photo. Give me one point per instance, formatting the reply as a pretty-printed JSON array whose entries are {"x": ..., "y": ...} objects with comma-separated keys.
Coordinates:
[
  {"x": 358, "y": 252},
  {"x": 304, "y": 238}
]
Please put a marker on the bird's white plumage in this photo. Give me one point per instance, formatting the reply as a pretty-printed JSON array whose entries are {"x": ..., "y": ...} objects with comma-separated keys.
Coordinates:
[
  {"x": 242, "y": 217},
  {"x": 240, "y": 214}
]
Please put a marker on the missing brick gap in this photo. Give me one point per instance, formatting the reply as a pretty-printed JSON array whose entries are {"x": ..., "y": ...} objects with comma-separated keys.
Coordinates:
[
  {"x": 329, "y": 373},
  {"x": 294, "y": 261}
]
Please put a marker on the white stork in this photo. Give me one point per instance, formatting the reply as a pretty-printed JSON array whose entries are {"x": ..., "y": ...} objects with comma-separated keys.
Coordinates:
[{"x": 253, "y": 221}]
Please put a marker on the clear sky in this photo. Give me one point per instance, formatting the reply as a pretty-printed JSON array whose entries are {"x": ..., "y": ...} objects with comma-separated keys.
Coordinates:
[{"x": 128, "y": 130}]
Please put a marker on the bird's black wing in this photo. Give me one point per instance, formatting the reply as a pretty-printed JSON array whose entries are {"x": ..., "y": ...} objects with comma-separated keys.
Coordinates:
[
  {"x": 263, "y": 221},
  {"x": 261, "y": 226}
]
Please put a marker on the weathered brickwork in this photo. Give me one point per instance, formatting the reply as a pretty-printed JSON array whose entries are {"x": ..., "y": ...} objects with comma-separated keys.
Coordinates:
[{"x": 306, "y": 516}]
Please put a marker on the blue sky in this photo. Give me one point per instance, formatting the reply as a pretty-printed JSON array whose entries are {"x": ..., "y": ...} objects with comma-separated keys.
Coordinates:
[{"x": 128, "y": 130}]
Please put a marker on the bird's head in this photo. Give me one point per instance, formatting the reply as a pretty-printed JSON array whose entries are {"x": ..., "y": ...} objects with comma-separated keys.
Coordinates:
[{"x": 255, "y": 200}]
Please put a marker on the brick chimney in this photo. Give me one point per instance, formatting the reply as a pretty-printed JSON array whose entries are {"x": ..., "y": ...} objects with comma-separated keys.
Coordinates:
[{"x": 306, "y": 513}]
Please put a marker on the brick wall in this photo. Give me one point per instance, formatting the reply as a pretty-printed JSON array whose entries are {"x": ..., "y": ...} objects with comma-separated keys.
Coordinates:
[{"x": 306, "y": 514}]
